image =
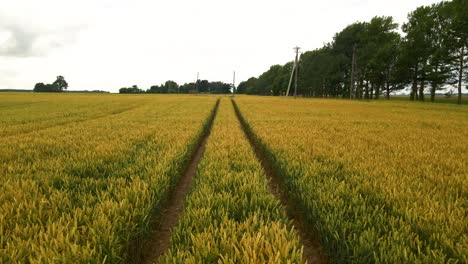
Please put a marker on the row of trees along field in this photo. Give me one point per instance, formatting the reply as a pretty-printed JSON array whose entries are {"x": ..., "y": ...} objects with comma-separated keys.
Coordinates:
[
  {"x": 430, "y": 55},
  {"x": 59, "y": 85},
  {"x": 201, "y": 86}
]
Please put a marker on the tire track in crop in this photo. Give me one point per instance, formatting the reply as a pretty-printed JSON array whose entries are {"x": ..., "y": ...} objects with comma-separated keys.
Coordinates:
[
  {"x": 313, "y": 252},
  {"x": 19, "y": 104},
  {"x": 168, "y": 217}
]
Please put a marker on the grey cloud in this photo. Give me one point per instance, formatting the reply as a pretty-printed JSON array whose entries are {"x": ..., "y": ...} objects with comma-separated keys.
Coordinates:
[
  {"x": 19, "y": 43},
  {"x": 27, "y": 41}
]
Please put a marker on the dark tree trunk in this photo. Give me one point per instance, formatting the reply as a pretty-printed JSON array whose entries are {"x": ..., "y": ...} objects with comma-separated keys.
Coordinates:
[
  {"x": 433, "y": 91},
  {"x": 366, "y": 95},
  {"x": 460, "y": 76},
  {"x": 388, "y": 89},
  {"x": 421, "y": 88},
  {"x": 422, "y": 85},
  {"x": 377, "y": 91},
  {"x": 371, "y": 91},
  {"x": 414, "y": 87},
  {"x": 434, "y": 85},
  {"x": 323, "y": 86},
  {"x": 353, "y": 66},
  {"x": 356, "y": 89}
]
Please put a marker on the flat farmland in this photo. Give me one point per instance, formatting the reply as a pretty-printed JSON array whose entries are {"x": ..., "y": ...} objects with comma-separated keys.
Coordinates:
[
  {"x": 380, "y": 181},
  {"x": 91, "y": 178},
  {"x": 81, "y": 174}
]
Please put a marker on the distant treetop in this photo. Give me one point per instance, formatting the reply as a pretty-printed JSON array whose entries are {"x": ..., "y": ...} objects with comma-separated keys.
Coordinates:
[{"x": 56, "y": 87}]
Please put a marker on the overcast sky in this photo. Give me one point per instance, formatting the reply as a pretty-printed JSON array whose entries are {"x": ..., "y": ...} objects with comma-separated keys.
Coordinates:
[{"x": 109, "y": 44}]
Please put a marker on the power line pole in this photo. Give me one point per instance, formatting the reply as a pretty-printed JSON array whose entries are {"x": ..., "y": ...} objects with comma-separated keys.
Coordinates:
[
  {"x": 290, "y": 79},
  {"x": 234, "y": 84},
  {"x": 294, "y": 70},
  {"x": 297, "y": 72},
  {"x": 196, "y": 84}
]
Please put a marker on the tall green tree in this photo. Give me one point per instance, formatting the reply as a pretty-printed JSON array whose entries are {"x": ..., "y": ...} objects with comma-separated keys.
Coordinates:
[
  {"x": 438, "y": 68},
  {"x": 368, "y": 59},
  {"x": 418, "y": 47},
  {"x": 346, "y": 43},
  {"x": 247, "y": 87},
  {"x": 456, "y": 12},
  {"x": 272, "y": 82},
  {"x": 57, "y": 86},
  {"x": 320, "y": 74},
  {"x": 203, "y": 86},
  {"x": 171, "y": 87},
  {"x": 381, "y": 48},
  {"x": 60, "y": 84}
]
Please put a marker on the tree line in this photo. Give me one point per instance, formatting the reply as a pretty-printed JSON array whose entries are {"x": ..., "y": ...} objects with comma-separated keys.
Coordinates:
[
  {"x": 171, "y": 87},
  {"x": 59, "y": 85},
  {"x": 367, "y": 60}
]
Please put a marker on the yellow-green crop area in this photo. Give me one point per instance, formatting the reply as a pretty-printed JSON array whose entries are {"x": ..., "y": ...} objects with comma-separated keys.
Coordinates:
[
  {"x": 230, "y": 215},
  {"x": 380, "y": 181},
  {"x": 82, "y": 174}
]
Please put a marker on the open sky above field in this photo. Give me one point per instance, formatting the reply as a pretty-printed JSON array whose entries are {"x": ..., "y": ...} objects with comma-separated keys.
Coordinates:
[{"x": 110, "y": 44}]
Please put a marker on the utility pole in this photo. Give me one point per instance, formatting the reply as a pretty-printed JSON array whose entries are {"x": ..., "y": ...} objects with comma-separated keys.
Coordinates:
[
  {"x": 234, "y": 84},
  {"x": 294, "y": 71},
  {"x": 297, "y": 68},
  {"x": 290, "y": 79},
  {"x": 196, "y": 83}
]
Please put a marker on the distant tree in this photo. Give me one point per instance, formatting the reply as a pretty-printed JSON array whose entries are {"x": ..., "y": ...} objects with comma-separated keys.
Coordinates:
[
  {"x": 219, "y": 88},
  {"x": 171, "y": 87},
  {"x": 154, "y": 89},
  {"x": 60, "y": 84},
  {"x": 203, "y": 86},
  {"x": 241, "y": 88},
  {"x": 57, "y": 86},
  {"x": 272, "y": 82},
  {"x": 135, "y": 89},
  {"x": 320, "y": 73},
  {"x": 40, "y": 87},
  {"x": 131, "y": 90},
  {"x": 187, "y": 88},
  {"x": 248, "y": 87}
]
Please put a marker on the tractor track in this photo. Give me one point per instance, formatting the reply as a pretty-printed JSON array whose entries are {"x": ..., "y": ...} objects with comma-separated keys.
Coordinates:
[
  {"x": 313, "y": 251},
  {"x": 159, "y": 240}
]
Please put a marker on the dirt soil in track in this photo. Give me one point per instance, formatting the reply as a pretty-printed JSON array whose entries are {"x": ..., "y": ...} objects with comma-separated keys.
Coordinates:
[
  {"x": 313, "y": 251},
  {"x": 159, "y": 240}
]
